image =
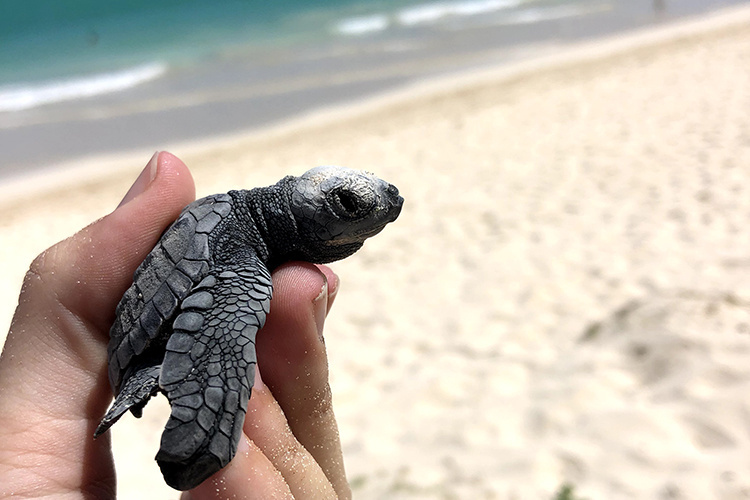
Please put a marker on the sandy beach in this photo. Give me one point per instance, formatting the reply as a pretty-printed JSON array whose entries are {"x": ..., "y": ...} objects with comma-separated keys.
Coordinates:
[{"x": 564, "y": 299}]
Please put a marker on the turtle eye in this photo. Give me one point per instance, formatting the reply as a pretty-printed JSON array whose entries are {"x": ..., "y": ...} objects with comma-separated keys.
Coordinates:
[{"x": 347, "y": 203}]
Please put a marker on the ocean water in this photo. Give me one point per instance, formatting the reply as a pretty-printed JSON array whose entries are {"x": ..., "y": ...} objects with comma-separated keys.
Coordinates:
[
  {"x": 152, "y": 72},
  {"x": 55, "y": 51}
]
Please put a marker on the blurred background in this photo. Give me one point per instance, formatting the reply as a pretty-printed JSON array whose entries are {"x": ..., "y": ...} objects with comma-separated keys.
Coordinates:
[
  {"x": 564, "y": 298},
  {"x": 84, "y": 77}
]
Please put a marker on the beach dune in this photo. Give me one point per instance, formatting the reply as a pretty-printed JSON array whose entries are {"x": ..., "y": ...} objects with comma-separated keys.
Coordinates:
[{"x": 564, "y": 299}]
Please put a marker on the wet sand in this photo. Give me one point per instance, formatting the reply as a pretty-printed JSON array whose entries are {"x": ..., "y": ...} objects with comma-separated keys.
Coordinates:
[{"x": 565, "y": 298}]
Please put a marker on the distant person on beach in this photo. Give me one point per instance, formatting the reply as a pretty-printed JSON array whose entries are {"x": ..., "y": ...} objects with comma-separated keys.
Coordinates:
[{"x": 53, "y": 373}]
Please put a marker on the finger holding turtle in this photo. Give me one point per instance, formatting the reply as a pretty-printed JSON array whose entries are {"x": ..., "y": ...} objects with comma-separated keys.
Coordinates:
[{"x": 52, "y": 372}]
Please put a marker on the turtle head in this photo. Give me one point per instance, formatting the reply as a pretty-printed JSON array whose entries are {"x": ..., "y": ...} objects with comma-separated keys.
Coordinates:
[{"x": 336, "y": 209}]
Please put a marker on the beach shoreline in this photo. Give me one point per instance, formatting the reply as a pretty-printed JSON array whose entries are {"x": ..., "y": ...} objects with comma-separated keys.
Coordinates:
[
  {"x": 225, "y": 94},
  {"x": 61, "y": 175},
  {"x": 563, "y": 297}
]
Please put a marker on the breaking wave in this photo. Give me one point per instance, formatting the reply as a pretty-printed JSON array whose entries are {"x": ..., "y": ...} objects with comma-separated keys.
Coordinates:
[
  {"x": 18, "y": 97},
  {"x": 422, "y": 14},
  {"x": 362, "y": 25},
  {"x": 432, "y": 12}
]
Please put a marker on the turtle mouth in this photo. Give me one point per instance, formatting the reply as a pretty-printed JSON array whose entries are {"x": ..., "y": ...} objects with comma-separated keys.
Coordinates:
[
  {"x": 369, "y": 233},
  {"x": 387, "y": 214},
  {"x": 361, "y": 236},
  {"x": 357, "y": 237},
  {"x": 393, "y": 210}
]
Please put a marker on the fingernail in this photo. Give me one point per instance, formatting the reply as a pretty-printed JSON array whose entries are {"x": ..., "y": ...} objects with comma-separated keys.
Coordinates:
[
  {"x": 320, "y": 308},
  {"x": 258, "y": 381},
  {"x": 142, "y": 182},
  {"x": 243, "y": 445},
  {"x": 332, "y": 292}
]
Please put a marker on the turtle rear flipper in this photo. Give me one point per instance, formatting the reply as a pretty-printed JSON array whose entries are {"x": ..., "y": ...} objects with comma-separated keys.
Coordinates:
[
  {"x": 209, "y": 370},
  {"x": 134, "y": 395}
]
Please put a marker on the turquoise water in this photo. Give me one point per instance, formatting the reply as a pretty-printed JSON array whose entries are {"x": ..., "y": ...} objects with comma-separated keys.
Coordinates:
[
  {"x": 41, "y": 39},
  {"x": 52, "y": 40},
  {"x": 53, "y": 50}
]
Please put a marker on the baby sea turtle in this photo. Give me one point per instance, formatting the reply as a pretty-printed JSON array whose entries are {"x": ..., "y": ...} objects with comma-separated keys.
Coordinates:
[{"x": 186, "y": 326}]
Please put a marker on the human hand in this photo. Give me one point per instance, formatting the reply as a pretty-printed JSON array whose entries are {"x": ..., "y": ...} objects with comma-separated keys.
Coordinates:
[{"x": 53, "y": 369}]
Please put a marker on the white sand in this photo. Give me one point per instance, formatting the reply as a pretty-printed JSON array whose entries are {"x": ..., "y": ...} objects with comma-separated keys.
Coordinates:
[{"x": 603, "y": 195}]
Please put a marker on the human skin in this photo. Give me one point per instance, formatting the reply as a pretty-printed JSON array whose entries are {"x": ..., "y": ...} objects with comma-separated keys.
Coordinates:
[{"x": 53, "y": 369}]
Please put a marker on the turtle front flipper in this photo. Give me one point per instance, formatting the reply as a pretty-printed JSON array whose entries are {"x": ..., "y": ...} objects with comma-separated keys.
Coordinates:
[
  {"x": 134, "y": 395},
  {"x": 209, "y": 370}
]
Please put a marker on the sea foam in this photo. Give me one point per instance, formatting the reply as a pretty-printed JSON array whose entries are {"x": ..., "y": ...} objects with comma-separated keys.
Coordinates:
[
  {"x": 363, "y": 24},
  {"x": 536, "y": 15},
  {"x": 421, "y": 14},
  {"x": 19, "y": 97},
  {"x": 509, "y": 12},
  {"x": 432, "y": 12}
]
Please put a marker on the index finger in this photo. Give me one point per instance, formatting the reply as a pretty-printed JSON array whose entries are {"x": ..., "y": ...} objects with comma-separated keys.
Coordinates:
[{"x": 292, "y": 358}]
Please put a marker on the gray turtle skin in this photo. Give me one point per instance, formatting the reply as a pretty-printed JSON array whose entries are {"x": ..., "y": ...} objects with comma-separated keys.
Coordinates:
[{"x": 186, "y": 326}]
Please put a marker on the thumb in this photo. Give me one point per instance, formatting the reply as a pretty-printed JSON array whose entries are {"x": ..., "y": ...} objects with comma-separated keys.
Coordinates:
[
  {"x": 55, "y": 350},
  {"x": 53, "y": 383}
]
